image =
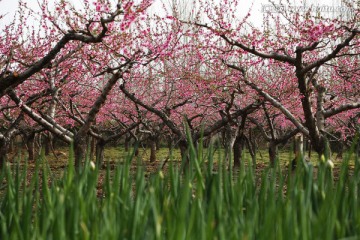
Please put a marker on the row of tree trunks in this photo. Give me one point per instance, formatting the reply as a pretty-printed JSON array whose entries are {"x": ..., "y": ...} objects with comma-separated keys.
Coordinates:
[
  {"x": 237, "y": 143},
  {"x": 33, "y": 142}
]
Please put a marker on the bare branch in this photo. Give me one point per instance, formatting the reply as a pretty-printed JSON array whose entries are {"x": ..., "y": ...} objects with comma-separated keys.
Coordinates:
[
  {"x": 53, "y": 127},
  {"x": 273, "y": 101},
  {"x": 333, "y": 54},
  {"x": 333, "y": 111}
]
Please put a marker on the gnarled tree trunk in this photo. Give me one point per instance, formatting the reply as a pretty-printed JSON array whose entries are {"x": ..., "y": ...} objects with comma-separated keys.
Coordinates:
[{"x": 80, "y": 139}]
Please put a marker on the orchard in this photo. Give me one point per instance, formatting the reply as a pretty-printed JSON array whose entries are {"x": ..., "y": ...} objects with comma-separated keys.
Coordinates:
[{"x": 196, "y": 77}]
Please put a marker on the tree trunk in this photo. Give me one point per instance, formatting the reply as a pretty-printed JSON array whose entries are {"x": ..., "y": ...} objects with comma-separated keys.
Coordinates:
[
  {"x": 206, "y": 142},
  {"x": 170, "y": 145},
  {"x": 127, "y": 143},
  {"x": 4, "y": 146},
  {"x": 12, "y": 146},
  {"x": 327, "y": 152},
  {"x": 93, "y": 147},
  {"x": 79, "y": 149},
  {"x": 48, "y": 143},
  {"x": 309, "y": 148},
  {"x": 340, "y": 148},
  {"x": 136, "y": 149},
  {"x": 80, "y": 139},
  {"x": 30, "y": 144},
  {"x": 238, "y": 149},
  {"x": 298, "y": 149},
  {"x": 152, "y": 150},
  {"x": 299, "y": 145},
  {"x": 100, "y": 147},
  {"x": 158, "y": 143},
  {"x": 273, "y": 153},
  {"x": 315, "y": 125},
  {"x": 230, "y": 136},
  {"x": 184, "y": 152},
  {"x": 6, "y": 141},
  {"x": 251, "y": 144}
]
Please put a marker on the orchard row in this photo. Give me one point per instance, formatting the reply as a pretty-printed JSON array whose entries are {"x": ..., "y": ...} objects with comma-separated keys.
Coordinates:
[{"x": 107, "y": 70}]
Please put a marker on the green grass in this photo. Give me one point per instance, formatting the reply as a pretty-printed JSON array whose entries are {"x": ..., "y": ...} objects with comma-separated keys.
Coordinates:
[{"x": 202, "y": 203}]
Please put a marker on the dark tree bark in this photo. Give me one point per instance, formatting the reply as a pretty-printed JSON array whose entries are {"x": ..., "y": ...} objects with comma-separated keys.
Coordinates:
[
  {"x": 127, "y": 143},
  {"x": 136, "y": 148},
  {"x": 80, "y": 148},
  {"x": 102, "y": 141},
  {"x": 12, "y": 146},
  {"x": 239, "y": 142},
  {"x": 251, "y": 144},
  {"x": 158, "y": 143},
  {"x": 238, "y": 149},
  {"x": 48, "y": 143},
  {"x": 93, "y": 144},
  {"x": 170, "y": 144},
  {"x": 4, "y": 147},
  {"x": 273, "y": 152},
  {"x": 30, "y": 145},
  {"x": 100, "y": 148},
  {"x": 152, "y": 150},
  {"x": 184, "y": 151},
  {"x": 6, "y": 139},
  {"x": 309, "y": 148}
]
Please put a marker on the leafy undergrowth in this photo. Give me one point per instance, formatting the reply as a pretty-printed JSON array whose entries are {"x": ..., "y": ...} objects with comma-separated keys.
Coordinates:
[{"x": 201, "y": 200}]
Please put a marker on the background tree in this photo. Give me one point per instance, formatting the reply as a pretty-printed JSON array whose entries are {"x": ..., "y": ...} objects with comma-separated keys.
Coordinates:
[{"x": 305, "y": 47}]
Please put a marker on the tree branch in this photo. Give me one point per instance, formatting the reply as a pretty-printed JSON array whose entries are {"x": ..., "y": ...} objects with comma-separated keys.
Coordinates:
[{"x": 333, "y": 111}]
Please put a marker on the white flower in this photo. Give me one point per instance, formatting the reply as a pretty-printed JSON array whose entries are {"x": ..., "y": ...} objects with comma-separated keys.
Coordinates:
[
  {"x": 92, "y": 165},
  {"x": 330, "y": 163}
]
